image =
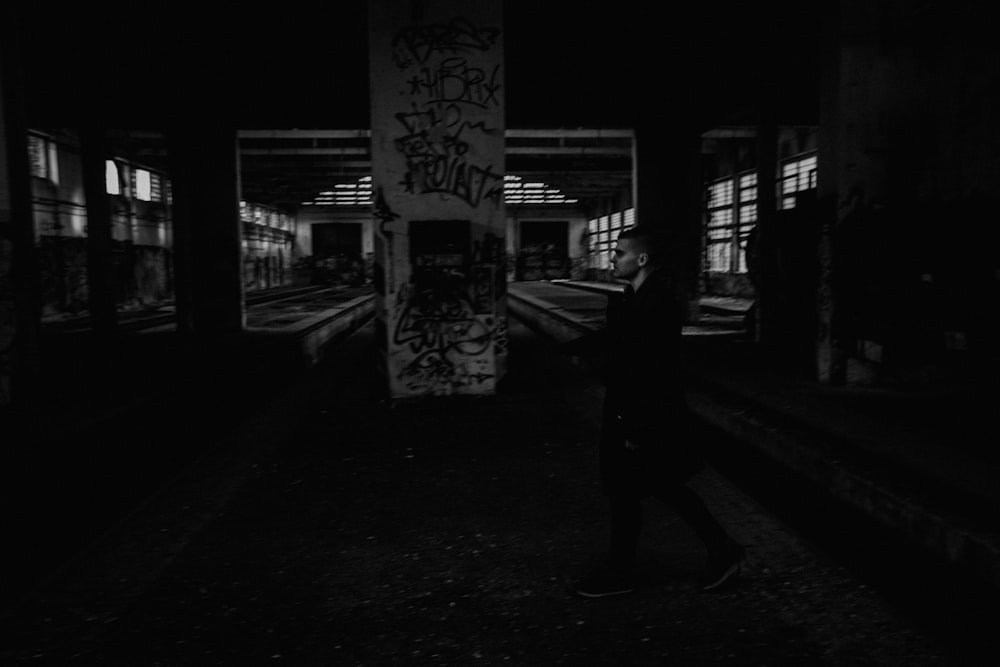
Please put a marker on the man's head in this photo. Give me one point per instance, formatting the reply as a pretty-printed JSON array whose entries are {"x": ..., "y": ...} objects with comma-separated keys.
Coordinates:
[{"x": 637, "y": 252}]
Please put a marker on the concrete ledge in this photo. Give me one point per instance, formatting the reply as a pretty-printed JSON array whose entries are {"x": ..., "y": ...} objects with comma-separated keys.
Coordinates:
[
  {"x": 593, "y": 286},
  {"x": 554, "y": 321},
  {"x": 315, "y": 332},
  {"x": 950, "y": 537}
]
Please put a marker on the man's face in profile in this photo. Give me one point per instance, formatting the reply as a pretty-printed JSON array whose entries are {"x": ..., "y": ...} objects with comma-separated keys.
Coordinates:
[{"x": 625, "y": 259}]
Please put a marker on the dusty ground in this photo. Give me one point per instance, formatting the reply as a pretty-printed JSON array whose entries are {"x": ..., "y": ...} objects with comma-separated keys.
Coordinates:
[{"x": 352, "y": 532}]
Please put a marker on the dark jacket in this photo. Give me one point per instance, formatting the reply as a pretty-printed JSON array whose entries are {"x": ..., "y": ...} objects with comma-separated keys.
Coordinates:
[
  {"x": 644, "y": 400},
  {"x": 643, "y": 374}
]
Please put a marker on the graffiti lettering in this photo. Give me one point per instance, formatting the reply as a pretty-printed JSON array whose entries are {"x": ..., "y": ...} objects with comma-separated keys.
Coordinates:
[
  {"x": 436, "y": 160},
  {"x": 442, "y": 168},
  {"x": 444, "y": 322},
  {"x": 435, "y": 120},
  {"x": 500, "y": 337},
  {"x": 433, "y": 371},
  {"x": 439, "y": 325},
  {"x": 382, "y": 212},
  {"x": 453, "y": 81},
  {"x": 460, "y": 35}
]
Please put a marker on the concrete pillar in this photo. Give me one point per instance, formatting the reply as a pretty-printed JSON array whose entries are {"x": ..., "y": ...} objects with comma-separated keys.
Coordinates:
[
  {"x": 20, "y": 292},
  {"x": 437, "y": 117},
  {"x": 767, "y": 206},
  {"x": 667, "y": 193},
  {"x": 101, "y": 277},
  {"x": 831, "y": 364},
  {"x": 208, "y": 268}
]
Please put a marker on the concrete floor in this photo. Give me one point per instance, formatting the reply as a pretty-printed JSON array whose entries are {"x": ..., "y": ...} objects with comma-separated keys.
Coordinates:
[{"x": 332, "y": 528}]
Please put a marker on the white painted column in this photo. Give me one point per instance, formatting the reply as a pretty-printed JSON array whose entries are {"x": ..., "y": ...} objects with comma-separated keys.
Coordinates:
[{"x": 437, "y": 116}]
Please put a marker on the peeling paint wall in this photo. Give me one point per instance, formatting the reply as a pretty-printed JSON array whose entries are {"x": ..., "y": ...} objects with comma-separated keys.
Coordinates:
[{"x": 437, "y": 95}]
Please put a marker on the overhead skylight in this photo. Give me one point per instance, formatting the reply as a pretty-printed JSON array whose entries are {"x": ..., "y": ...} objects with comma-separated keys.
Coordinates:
[
  {"x": 534, "y": 192},
  {"x": 515, "y": 192},
  {"x": 345, "y": 194}
]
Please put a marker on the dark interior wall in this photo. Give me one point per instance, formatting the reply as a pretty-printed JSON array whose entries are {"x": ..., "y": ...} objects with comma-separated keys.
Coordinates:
[
  {"x": 543, "y": 251},
  {"x": 331, "y": 239},
  {"x": 917, "y": 177},
  {"x": 545, "y": 232}
]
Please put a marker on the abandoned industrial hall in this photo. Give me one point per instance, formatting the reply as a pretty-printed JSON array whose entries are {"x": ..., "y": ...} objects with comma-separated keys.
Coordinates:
[{"x": 288, "y": 298}]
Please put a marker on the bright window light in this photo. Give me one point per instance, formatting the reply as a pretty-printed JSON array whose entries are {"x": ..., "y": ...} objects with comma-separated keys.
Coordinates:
[
  {"x": 111, "y": 183},
  {"x": 515, "y": 192},
  {"x": 143, "y": 187},
  {"x": 53, "y": 166}
]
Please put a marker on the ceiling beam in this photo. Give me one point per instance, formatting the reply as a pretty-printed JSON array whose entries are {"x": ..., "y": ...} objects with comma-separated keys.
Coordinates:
[
  {"x": 577, "y": 133},
  {"x": 509, "y": 150}
]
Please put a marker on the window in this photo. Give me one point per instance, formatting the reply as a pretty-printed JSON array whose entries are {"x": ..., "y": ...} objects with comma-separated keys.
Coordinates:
[
  {"x": 732, "y": 214},
  {"x": 155, "y": 186},
  {"x": 112, "y": 184},
  {"x": 602, "y": 233},
  {"x": 43, "y": 155},
  {"x": 746, "y": 219},
  {"x": 147, "y": 185},
  {"x": 722, "y": 230},
  {"x": 797, "y": 175},
  {"x": 143, "y": 185},
  {"x": 731, "y": 211}
]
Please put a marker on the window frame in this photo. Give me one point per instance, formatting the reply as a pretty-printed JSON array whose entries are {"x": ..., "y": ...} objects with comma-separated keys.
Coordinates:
[
  {"x": 602, "y": 232},
  {"x": 726, "y": 242},
  {"x": 43, "y": 157}
]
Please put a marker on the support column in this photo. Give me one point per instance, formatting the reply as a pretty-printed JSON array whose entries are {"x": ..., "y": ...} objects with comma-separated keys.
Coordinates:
[
  {"x": 831, "y": 363},
  {"x": 100, "y": 260},
  {"x": 207, "y": 233},
  {"x": 437, "y": 116},
  {"x": 668, "y": 195},
  {"x": 767, "y": 207},
  {"x": 20, "y": 285}
]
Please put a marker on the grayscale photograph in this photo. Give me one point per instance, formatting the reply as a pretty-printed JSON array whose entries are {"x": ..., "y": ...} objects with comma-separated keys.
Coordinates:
[{"x": 497, "y": 332}]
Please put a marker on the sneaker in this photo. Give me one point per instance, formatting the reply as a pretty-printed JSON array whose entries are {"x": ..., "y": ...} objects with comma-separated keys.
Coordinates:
[
  {"x": 723, "y": 567},
  {"x": 605, "y": 581}
]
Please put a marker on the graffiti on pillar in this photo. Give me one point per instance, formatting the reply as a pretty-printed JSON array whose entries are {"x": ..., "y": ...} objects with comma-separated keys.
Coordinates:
[
  {"x": 489, "y": 264},
  {"x": 383, "y": 212},
  {"x": 441, "y": 318},
  {"x": 489, "y": 285},
  {"x": 448, "y": 96},
  {"x": 384, "y": 274},
  {"x": 456, "y": 81},
  {"x": 500, "y": 337},
  {"x": 437, "y": 323},
  {"x": 418, "y": 44},
  {"x": 436, "y": 158},
  {"x": 437, "y": 151}
]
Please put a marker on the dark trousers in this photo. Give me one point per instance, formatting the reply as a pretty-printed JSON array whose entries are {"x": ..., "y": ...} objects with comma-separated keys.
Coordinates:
[{"x": 626, "y": 521}]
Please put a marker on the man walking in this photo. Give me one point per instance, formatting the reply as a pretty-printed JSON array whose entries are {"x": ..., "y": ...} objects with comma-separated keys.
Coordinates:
[{"x": 645, "y": 445}]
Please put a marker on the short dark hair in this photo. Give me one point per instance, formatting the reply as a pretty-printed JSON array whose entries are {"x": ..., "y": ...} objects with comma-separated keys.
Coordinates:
[{"x": 653, "y": 242}]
